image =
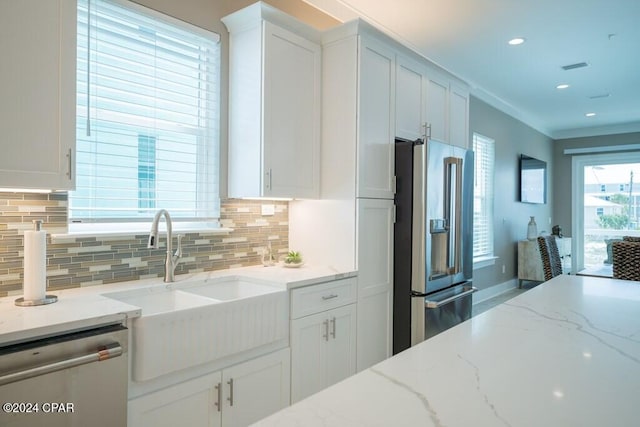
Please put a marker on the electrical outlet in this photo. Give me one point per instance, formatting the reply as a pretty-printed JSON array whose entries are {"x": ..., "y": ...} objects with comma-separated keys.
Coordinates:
[
  {"x": 504, "y": 269},
  {"x": 268, "y": 210}
]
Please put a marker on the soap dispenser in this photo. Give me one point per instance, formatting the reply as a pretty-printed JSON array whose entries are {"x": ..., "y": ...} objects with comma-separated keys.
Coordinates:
[{"x": 268, "y": 258}]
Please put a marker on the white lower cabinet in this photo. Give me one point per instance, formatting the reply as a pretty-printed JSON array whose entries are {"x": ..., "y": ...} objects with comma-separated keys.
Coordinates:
[
  {"x": 191, "y": 403},
  {"x": 323, "y": 344},
  {"x": 235, "y": 396},
  {"x": 255, "y": 389}
]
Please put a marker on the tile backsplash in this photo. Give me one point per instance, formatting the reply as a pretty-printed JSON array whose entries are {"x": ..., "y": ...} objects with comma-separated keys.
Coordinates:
[{"x": 86, "y": 261}]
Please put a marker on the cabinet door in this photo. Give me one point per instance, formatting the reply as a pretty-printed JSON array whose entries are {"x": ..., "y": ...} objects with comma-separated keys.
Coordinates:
[
  {"x": 309, "y": 337},
  {"x": 291, "y": 114},
  {"x": 411, "y": 93},
  {"x": 437, "y": 106},
  {"x": 459, "y": 116},
  {"x": 375, "y": 281},
  {"x": 192, "y": 403},
  {"x": 255, "y": 389},
  {"x": 376, "y": 118},
  {"x": 37, "y": 93},
  {"x": 341, "y": 347}
]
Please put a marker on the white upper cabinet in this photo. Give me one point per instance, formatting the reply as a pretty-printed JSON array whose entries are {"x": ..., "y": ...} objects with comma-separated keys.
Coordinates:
[
  {"x": 411, "y": 98},
  {"x": 358, "y": 113},
  {"x": 459, "y": 116},
  {"x": 274, "y": 105},
  {"x": 376, "y": 130},
  {"x": 437, "y": 107},
  {"x": 447, "y": 114},
  {"x": 37, "y": 93}
]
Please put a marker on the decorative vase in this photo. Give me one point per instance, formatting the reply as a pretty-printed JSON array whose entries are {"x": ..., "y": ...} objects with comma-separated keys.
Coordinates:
[{"x": 532, "y": 229}]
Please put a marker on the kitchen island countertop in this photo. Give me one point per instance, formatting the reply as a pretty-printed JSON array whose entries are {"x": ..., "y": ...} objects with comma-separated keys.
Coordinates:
[{"x": 566, "y": 353}]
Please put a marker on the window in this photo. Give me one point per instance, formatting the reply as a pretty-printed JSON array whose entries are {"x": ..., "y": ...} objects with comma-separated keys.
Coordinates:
[
  {"x": 599, "y": 211},
  {"x": 147, "y": 116},
  {"x": 484, "y": 149},
  {"x": 603, "y": 188}
]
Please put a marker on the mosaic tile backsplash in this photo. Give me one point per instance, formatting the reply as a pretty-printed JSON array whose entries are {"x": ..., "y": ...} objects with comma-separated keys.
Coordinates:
[{"x": 86, "y": 261}]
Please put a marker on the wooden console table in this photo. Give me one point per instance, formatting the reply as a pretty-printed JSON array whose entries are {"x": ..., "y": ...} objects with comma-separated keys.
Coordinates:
[{"x": 530, "y": 262}]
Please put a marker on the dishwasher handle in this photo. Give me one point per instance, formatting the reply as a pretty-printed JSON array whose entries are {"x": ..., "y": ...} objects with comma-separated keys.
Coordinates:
[{"x": 99, "y": 356}]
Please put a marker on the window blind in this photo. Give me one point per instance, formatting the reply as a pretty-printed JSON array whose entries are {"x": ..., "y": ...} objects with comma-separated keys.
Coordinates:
[
  {"x": 148, "y": 99},
  {"x": 484, "y": 150}
]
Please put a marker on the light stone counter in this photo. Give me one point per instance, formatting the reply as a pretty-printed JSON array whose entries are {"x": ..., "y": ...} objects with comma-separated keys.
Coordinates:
[
  {"x": 566, "y": 353},
  {"x": 82, "y": 308}
]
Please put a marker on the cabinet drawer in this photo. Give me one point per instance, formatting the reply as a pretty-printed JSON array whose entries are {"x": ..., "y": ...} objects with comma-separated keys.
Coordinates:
[{"x": 317, "y": 298}]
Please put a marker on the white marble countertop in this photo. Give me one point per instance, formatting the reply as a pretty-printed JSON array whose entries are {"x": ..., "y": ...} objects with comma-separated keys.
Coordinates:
[
  {"x": 566, "y": 353},
  {"x": 85, "y": 307}
]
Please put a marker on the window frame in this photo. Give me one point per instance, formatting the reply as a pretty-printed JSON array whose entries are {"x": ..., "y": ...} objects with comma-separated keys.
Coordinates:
[
  {"x": 207, "y": 152},
  {"x": 487, "y": 184}
]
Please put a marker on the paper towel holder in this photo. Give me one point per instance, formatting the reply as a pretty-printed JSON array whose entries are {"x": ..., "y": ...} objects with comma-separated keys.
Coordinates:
[{"x": 48, "y": 299}]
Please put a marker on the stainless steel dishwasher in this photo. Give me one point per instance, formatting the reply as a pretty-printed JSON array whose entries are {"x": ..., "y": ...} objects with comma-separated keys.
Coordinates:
[{"x": 75, "y": 379}]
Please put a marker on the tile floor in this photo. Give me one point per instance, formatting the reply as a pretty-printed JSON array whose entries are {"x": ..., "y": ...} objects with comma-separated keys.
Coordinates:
[{"x": 499, "y": 299}]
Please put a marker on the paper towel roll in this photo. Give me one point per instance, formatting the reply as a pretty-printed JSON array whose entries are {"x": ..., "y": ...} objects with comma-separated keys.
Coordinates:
[{"x": 35, "y": 265}]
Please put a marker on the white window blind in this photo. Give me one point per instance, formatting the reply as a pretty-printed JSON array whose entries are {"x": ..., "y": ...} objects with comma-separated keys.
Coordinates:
[
  {"x": 484, "y": 150},
  {"x": 147, "y": 116}
]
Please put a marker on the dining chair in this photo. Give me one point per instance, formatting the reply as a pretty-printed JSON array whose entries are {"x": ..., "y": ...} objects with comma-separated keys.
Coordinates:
[
  {"x": 626, "y": 260},
  {"x": 551, "y": 262}
]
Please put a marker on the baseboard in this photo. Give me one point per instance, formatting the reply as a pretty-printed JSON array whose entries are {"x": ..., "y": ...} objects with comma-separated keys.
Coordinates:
[{"x": 494, "y": 291}]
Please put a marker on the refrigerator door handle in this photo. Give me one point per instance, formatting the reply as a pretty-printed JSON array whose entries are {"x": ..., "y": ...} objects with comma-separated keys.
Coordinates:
[
  {"x": 438, "y": 304},
  {"x": 453, "y": 206}
]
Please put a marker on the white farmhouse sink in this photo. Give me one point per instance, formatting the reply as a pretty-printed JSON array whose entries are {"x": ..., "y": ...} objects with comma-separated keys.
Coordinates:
[
  {"x": 231, "y": 289},
  {"x": 155, "y": 302},
  {"x": 186, "y": 324}
]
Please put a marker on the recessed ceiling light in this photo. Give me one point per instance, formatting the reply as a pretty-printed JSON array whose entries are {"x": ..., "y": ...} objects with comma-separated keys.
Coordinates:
[
  {"x": 516, "y": 41},
  {"x": 562, "y": 86},
  {"x": 590, "y": 114}
]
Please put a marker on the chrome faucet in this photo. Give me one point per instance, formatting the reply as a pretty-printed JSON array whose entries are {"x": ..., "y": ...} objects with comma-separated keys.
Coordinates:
[{"x": 171, "y": 261}]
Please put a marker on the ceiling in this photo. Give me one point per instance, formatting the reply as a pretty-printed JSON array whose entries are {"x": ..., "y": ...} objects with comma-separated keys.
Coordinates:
[{"x": 469, "y": 39}]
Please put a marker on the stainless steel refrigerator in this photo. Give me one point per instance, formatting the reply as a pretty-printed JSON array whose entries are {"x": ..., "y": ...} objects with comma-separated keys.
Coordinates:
[{"x": 433, "y": 248}]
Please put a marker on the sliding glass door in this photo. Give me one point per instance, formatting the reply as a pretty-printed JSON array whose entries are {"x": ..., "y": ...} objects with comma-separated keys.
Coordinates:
[{"x": 605, "y": 206}]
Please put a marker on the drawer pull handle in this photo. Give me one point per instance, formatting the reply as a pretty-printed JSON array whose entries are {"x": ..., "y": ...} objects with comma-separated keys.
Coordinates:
[
  {"x": 333, "y": 328},
  {"x": 218, "y": 404},
  {"x": 230, "y": 398},
  {"x": 328, "y": 297}
]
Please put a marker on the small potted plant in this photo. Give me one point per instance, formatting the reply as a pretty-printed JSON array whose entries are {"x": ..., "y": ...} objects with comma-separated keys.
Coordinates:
[{"x": 293, "y": 259}]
